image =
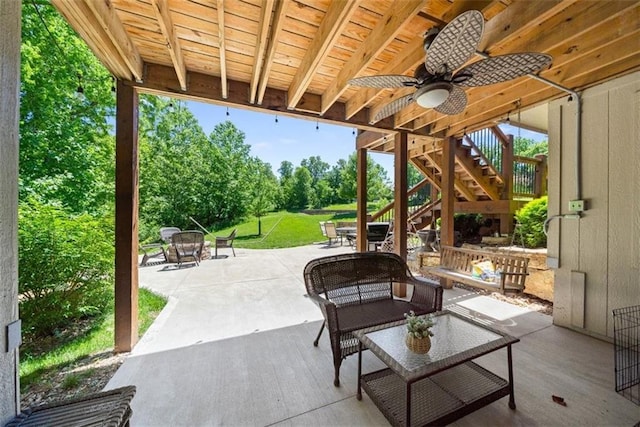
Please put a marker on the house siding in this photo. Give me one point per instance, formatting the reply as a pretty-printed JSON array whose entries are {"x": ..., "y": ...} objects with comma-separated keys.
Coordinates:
[
  {"x": 9, "y": 131},
  {"x": 599, "y": 254}
]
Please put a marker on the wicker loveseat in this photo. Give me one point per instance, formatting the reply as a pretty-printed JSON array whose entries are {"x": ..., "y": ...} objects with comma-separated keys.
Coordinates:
[{"x": 354, "y": 291}]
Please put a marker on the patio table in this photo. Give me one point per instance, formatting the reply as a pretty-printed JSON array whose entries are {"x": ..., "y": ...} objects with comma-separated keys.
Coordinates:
[{"x": 438, "y": 387}]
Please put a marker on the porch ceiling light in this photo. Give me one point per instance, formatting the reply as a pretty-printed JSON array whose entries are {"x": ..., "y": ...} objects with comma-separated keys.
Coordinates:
[{"x": 433, "y": 94}]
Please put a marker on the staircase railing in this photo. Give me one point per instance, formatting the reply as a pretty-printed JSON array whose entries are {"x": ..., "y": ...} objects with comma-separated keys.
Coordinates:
[{"x": 529, "y": 177}]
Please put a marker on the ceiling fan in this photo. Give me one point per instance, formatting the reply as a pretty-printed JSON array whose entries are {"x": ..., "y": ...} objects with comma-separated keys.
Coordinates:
[{"x": 446, "y": 51}]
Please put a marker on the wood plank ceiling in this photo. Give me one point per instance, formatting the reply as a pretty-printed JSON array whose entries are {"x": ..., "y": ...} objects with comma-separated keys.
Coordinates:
[{"x": 295, "y": 57}]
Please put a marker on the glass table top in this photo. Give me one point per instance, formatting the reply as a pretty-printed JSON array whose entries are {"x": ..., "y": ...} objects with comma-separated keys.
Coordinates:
[{"x": 455, "y": 341}]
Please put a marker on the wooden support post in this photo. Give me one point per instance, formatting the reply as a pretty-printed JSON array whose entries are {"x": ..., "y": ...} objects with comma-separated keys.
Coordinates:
[
  {"x": 401, "y": 206},
  {"x": 506, "y": 220},
  {"x": 361, "y": 197},
  {"x": 447, "y": 237},
  {"x": 126, "y": 245},
  {"x": 541, "y": 176},
  {"x": 433, "y": 197}
]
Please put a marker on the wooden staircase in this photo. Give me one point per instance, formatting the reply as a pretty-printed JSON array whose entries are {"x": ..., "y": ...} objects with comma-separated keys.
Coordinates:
[{"x": 488, "y": 179}]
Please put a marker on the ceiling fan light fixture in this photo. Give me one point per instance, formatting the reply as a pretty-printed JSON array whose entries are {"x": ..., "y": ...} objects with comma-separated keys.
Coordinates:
[{"x": 433, "y": 94}]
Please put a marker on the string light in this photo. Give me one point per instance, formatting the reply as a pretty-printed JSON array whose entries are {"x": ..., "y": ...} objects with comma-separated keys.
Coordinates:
[
  {"x": 317, "y": 126},
  {"x": 227, "y": 111},
  {"x": 353, "y": 132},
  {"x": 276, "y": 119},
  {"x": 113, "y": 84}
]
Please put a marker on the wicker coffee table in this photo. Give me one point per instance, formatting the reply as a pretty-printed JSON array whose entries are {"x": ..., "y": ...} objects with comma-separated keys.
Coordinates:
[{"x": 438, "y": 387}]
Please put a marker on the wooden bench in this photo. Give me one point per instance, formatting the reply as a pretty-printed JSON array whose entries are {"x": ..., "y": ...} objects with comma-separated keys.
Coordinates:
[
  {"x": 457, "y": 264},
  {"x": 355, "y": 291}
]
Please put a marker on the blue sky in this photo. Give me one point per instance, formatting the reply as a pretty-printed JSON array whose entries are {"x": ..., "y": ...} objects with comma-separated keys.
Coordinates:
[{"x": 296, "y": 139}]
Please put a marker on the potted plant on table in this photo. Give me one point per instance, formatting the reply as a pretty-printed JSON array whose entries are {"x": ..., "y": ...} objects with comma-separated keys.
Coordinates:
[{"x": 418, "y": 332}]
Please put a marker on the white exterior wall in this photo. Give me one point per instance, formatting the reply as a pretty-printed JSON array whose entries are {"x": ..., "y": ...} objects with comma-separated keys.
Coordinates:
[
  {"x": 599, "y": 255},
  {"x": 10, "y": 12}
]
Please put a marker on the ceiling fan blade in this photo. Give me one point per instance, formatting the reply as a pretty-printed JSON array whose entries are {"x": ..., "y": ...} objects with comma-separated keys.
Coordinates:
[
  {"x": 456, "y": 43},
  {"x": 455, "y": 103},
  {"x": 384, "y": 81},
  {"x": 501, "y": 68},
  {"x": 393, "y": 107}
]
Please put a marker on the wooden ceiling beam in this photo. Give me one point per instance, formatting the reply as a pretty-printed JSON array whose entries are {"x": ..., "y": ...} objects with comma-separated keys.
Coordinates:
[
  {"x": 274, "y": 37},
  {"x": 222, "y": 48},
  {"x": 531, "y": 92},
  {"x": 368, "y": 138},
  {"x": 408, "y": 60},
  {"x": 618, "y": 14},
  {"x": 577, "y": 21},
  {"x": 503, "y": 28},
  {"x": 382, "y": 34},
  {"x": 516, "y": 19},
  {"x": 161, "y": 9},
  {"x": 161, "y": 80},
  {"x": 112, "y": 26},
  {"x": 261, "y": 47},
  {"x": 84, "y": 22},
  {"x": 331, "y": 28}
]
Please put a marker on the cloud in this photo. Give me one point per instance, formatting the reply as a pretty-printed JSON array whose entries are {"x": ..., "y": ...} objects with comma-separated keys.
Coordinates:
[
  {"x": 288, "y": 141},
  {"x": 262, "y": 146}
]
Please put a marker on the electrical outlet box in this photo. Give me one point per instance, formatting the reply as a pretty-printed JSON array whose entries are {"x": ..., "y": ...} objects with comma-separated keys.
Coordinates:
[
  {"x": 14, "y": 335},
  {"x": 576, "y": 205}
]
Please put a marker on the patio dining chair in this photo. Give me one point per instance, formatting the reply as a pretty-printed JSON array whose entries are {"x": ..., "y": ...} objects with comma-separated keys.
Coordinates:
[
  {"x": 188, "y": 246},
  {"x": 226, "y": 242},
  {"x": 331, "y": 232}
]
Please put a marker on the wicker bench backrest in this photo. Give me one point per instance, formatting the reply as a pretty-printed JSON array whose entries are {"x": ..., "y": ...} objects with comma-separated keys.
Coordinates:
[{"x": 354, "y": 278}]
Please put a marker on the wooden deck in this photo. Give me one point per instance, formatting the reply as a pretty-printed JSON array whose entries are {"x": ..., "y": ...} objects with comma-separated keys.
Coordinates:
[{"x": 277, "y": 377}]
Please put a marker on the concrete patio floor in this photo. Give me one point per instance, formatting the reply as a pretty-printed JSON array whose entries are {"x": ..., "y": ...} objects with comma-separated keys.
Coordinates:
[{"x": 234, "y": 347}]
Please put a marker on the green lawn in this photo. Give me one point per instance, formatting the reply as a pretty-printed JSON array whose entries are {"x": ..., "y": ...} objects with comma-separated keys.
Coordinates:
[
  {"x": 281, "y": 230},
  {"x": 95, "y": 337}
]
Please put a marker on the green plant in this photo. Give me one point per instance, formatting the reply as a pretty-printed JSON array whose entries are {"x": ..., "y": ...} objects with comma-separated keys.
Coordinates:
[
  {"x": 531, "y": 219},
  {"x": 419, "y": 326},
  {"x": 66, "y": 267},
  {"x": 71, "y": 381}
]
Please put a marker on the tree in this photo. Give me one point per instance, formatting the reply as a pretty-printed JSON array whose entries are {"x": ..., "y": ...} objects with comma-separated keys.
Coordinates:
[
  {"x": 316, "y": 167},
  {"x": 264, "y": 192},
  {"x": 66, "y": 145},
  {"x": 175, "y": 158},
  {"x": 285, "y": 170},
  {"x": 527, "y": 147},
  {"x": 378, "y": 184},
  {"x": 300, "y": 197}
]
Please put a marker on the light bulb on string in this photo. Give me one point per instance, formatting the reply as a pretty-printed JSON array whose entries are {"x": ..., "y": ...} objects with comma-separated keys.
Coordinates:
[
  {"x": 317, "y": 126},
  {"x": 276, "y": 119},
  {"x": 227, "y": 111}
]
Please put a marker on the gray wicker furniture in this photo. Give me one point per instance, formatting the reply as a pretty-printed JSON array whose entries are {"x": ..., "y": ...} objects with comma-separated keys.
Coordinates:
[
  {"x": 457, "y": 263},
  {"x": 355, "y": 291},
  {"x": 442, "y": 385},
  {"x": 107, "y": 409},
  {"x": 226, "y": 242}
]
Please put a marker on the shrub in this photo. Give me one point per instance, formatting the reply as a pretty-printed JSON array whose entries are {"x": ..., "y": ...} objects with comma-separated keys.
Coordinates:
[
  {"x": 531, "y": 218},
  {"x": 65, "y": 267}
]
